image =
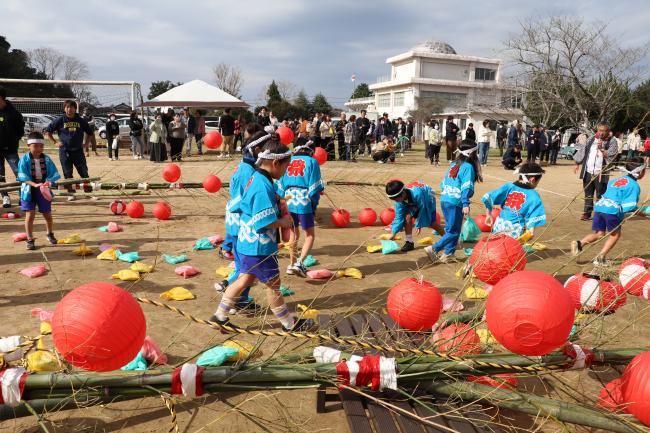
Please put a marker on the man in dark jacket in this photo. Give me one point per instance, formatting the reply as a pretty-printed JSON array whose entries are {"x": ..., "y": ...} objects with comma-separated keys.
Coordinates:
[
  {"x": 384, "y": 128},
  {"x": 263, "y": 117},
  {"x": 502, "y": 136},
  {"x": 512, "y": 157},
  {"x": 451, "y": 133},
  {"x": 112, "y": 134},
  {"x": 227, "y": 125},
  {"x": 70, "y": 128},
  {"x": 533, "y": 144},
  {"x": 470, "y": 133},
  {"x": 363, "y": 126},
  {"x": 12, "y": 127}
]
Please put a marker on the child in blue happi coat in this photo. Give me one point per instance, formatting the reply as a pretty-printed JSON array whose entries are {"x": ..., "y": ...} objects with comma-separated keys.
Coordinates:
[
  {"x": 35, "y": 171},
  {"x": 301, "y": 186},
  {"x": 621, "y": 197},
  {"x": 415, "y": 200},
  {"x": 521, "y": 206},
  {"x": 257, "y": 243},
  {"x": 238, "y": 182},
  {"x": 456, "y": 190}
]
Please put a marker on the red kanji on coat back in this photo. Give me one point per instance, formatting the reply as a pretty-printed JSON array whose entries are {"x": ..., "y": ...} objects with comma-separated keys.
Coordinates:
[
  {"x": 515, "y": 200},
  {"x": 296, "y": 168}
]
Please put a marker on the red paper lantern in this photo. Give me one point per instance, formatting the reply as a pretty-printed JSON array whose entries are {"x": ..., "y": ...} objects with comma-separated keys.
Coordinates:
[
  {"x": 135, "y": 209},
  {"x": 634, "y": 275},
  {"x": 414, "y": 305},
  {"x": 341, "y": 218},
  {"x": 162, "y": 211},
  {"x": 320, "y": 155},
  {"x": 480, "y": 222},
  {"x": 212, "y": 183},
  {"x": 117, "y": 207},
  {"x": 171, "y": 173},
  {"x": 501, "y": 381},
  {"x": 611, "y": 396},
  {"x": 367, "y": 216},
  {"x": 496, "y": 256},
  {"x": 530, "y": 313},
  {"x": 387, "y": 216},
  {"x": 591, "y": 294},
  {"x": 286, "y": 135},
  {"x": 213, "y": 140},
  {"x": 98, "y": 327},
  {"x": 635, "y": 387},
  {"x": 457, "y": 339}
]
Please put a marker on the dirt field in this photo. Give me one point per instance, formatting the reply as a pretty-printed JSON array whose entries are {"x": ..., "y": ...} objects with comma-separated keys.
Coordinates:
[{"x": 197, "y": 214}]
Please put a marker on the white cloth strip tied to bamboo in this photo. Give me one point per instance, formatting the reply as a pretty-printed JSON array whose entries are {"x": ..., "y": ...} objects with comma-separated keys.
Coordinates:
[
  {"x": 375, "y": 371},
  {"x": 10, "y": 343},
  {"x": 188, "y": 380},
  {"x": 96, "y": 186},
  {"x": 582, "y": 356},
  {"x": 143, "y": 186},
  {"x": 12, "y": 385},
  {"x": 327, "y": 355}
]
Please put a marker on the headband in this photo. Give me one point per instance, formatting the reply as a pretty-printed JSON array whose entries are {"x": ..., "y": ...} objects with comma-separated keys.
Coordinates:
[
  {"x": 304, "y": 146},
  {"x": 257, "y": 142},
  {"x": 35, "y": 141},
  {"x": 634, "y": 173},
  {"x": 467, "y": 152},
  {"x": 524, "y": 176},
  {"x": 397, "y": 193},
  {"x": 268, "y": 155}
]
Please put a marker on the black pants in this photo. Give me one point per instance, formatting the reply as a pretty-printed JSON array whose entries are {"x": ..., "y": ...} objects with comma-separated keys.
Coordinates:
[
  {"x": 70, "y": 159},
  {"x": 158, "y": 152},
  {"x": 533, "y": 152},
  {"x": 509, "y": 163},
  {"x": 501, "y": 143},
  {"x": 176, "y": 145},
  {"x": 384, "y": 155},
  {"x": 328, "y": 144},
  {"x": 450, "y": 143},
  {"x": 109, "y": 144},
  {"x": 593, "y": 185},
  {"x": 12, "y": 159},
  {"x": 364, "y": 142},
  {"x": 342, "y": 148},
  {"x": 433, "y": 152},
  {"x": 544, "y": 154},
  {"x": 554, "y": 152}
]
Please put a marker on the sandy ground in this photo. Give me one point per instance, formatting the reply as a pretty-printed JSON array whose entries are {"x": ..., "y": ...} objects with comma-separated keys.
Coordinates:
[{"x": 197, "y": 214}]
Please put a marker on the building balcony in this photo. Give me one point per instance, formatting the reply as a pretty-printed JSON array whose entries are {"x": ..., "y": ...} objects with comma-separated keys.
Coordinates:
[{"x": 360, "y": 103}]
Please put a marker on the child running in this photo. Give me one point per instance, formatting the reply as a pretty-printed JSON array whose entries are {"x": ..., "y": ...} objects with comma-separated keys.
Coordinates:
[
  {"x": 621, "y": 196},
  {"x": 301, "y": 185},
  {"x": 257, "y": 244},
  {"x": 521, "y": 206},
  {"x": 37, "y": 172},
  {"x": 457, "y": 188},
  {"x": 415, "y": 200}
]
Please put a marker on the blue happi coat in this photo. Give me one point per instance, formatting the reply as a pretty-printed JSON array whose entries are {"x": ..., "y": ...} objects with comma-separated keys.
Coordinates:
[
  {"x": 457, "y": 190},
  {"x": 25, "y": 174},
  {"x": 257, "y": 209},
  {"x": 421, "y": 206},
  {"x": 521, "y": 209},
  {"x": 301, "y": 185},
  {"x": 238, "y": 182},
  {"x": 622, "y": 196}
]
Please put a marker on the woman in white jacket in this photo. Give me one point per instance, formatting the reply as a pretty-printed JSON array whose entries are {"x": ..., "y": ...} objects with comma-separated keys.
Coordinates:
[
  {"x": 158, "y": 140},
  {"x": 484, "y": 135}
]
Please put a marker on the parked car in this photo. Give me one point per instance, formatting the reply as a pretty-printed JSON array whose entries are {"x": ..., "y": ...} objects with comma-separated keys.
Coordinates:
[
  {"x": 36, "y": 122},
  {"x": 211, "y": 125},
  {"x": 123, "y": 122}
]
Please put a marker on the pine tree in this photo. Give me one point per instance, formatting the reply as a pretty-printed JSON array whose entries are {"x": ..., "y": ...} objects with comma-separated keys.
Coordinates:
[
  {"x": 273, "y": 94},
  {"x": 320, "y": 104},
  {"x": 302, "y": 104},
  {"x": 361, "y": 91}
]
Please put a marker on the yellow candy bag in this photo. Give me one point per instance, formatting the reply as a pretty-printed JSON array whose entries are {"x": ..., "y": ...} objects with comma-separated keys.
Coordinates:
[
  {"x": 72, "y": 239},
  {"x": 82, "y": 250},
  {"x": 43, "y": 360},
  {"x": 141, "y": 267},
  {"x": 525, "y": 237},
  {"x": 373, "y": 248},
  {"x": 177, "y": 294},
  {"x": 475, "y": 292},
  {"x": 308, "y": 313},
  {"x": 487, "y": 339},
  {"x": 126, "y": 275},
  {"x": 386, "y": 237},
  {"x": 45, "y": 328},
  {"x": 244, "y": 349},
  {"x": 109, "y": 254},
  {"x": 223, "y": 271},
  {"x": 353, "y": 273},
  {"x": 426, "y": 241},
  {"x": 537, "y": 246}
]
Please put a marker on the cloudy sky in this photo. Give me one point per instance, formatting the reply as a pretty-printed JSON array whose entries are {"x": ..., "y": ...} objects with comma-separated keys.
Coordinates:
[{"x": 316, "y": 44}]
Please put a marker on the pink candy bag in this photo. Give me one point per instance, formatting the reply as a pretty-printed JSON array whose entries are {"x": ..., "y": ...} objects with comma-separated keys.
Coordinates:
[
  {"x": 46, "y": 192},
  {"x": 320, "y": 274},
  {"x": 152, "y": 352},
  {"x": 34, "y": 271},
  {"x": 18, "y": 237},
  {"x": 186, "y": 271},
  {"x": 216, "y": 239},
  {"x": 43, "y": 315},
  {"x": 114, "y": 227}
]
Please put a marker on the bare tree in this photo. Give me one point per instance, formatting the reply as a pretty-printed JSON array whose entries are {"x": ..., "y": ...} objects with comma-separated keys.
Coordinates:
[
  {"x": 57, "y": 65},
  {"x": 288, "y": 90},
  {"x": 572, "y": 71},
  {"x": 229, "y": 78},
  {"x": 46, "y": 60},
  {"x": 426, "y": 109}
]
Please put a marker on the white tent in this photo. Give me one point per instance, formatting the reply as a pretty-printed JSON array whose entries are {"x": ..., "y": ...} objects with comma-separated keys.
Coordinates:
[{"x": 195, "y": 94}]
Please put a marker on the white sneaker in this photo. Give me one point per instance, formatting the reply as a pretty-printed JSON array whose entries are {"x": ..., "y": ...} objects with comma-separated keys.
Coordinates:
[
  {"x": 135, "y": 156},
  {"x": 300, "y": 270},
  {"x": 238, "y": 148},
  {"x": 433, "y": 256},
  {"x": 71, "y": 198},
  {"x": 6, "y": 201},
  {"x": 227, "y": 155},
  {"x": 290, "y": 270},
  {"x": 446, "y": 258},
  {"x": 221, "y": 156},
  {"x": 380, "y": 162}
]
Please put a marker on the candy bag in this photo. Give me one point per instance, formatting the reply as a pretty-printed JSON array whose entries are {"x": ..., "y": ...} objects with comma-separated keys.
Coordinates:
[
  {"x": 103, "y": 247},
  {"x": 387, "y": 237},
  {"x": 142, "y": 267},
  {"x": 177, "y": 294},
  {"x": 72, "y": 239},
  {"x": 486, "y": 337},
  {"x": 373, "y": 248},
  {"x": 475, "y": 292},
  {"x": 10, "y": 215},
  {"x": 82, "y": 250},
  {"x": 350, "y": 272},
  {"x": 309, "y": 261},
  {"x": 45, "y": 190},
  {"x": 186, "y": 271},
  {"x": 320, "y": 274},
  {"x": 126, "y": 275},
  {"x": 34, "y": 271},
  {"x": 18, "y": 237},
  {"x": 152, "y": 352},
  {"x": 174, "y": 260},
  {"x": 203, "y": 244},
  {"x": 426, "y": 241},
  {"x": 216, "y": 356},
  {"x": 109, "y": 254},
  {"x": 43, "y": 360},
  {"x": 113, "y": 227},
  {"x": 216, "y": 239},
  {"x": 223, "y": 271},
  {"x": 139, "y": 363},
  {"x": 470, "y": 231},
  {"x": 103, "y": 229},
  {"x": 308, "y": 313},
  {"x": 451, "y": 305},
  {"x": 525, "y": 236},
  {"x": 244, "y": 349},
  {"x": 43, "y": 315},
  {"x": 285, "y": 291},
  {"x": 129, "y": 257},
  {"x": 388, "y": 247}
]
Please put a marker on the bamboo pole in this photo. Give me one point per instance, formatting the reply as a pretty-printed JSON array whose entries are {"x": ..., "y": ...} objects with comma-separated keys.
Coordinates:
[
  {"x": 115, "y": 193},
  {"x": 15, "y": 186}
]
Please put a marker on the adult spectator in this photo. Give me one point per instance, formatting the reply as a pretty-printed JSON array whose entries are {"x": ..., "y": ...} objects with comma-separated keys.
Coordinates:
[
  {"x": 484, "y": 136},
  {"x": 451, "y": 134},
  {"x": 544, "y": 144},
  {"x": 556, "y": 143},
  {"x": 351, "y": 136},
  {"x": 137, "y": 135},
  {"x": 314, "y": 130},
  {"x": 592, "y": 160},
  {"x": 514, "y": 133},
  {"x": 113, "y": 138},
  {"x": 340, "y": 136},
  {"x": 633, "y": 143},
  {"x": 363, "y": 128},
  {"x": 12, "y": 127},
  {"x": 400, "y": 127},
  {"x": 327, "y": 137},
  {"x": 263, "y": 117},
  {"x": 227, "y": 126},
  {"x": 199, "y": 133},
  {"x": 532, "y": 144},
  {"x": 410, "y": 130},
  {"x": 70, "y": 129},
  {"x": 273, "y": 121},
  {"x": 502, "y": 137},
  {"x": 470, "y": 133},
  {"x": 238, "y": 129},
  {"x": 177, "y": 134},
  {"x": 190, "y": 129},
  {"x": 512, "y": 157},
  {"x": 427, "y": 133},
  {"x": 384, "y": 129},
  {"x": 646, "y": 150},
  {"x": 92, "y": 140},
  {"x": 158, "y": 140}
]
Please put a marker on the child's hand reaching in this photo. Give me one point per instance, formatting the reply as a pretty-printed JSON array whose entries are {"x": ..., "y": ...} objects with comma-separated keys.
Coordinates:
[{"x": 488, "y": 219}]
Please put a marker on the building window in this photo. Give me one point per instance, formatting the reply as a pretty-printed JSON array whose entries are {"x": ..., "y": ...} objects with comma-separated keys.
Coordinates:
[
  {"x": 398, "y": 99},
  {"x": 484, "y": 74},
  {"x": 383, "y": 100},
  {"x": 462, "y": 124},
  {"x": 450, "y": 100}
]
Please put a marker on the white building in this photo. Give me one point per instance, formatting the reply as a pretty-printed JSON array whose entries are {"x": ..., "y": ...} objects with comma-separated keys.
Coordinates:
[{"x": 471, "y": 88}]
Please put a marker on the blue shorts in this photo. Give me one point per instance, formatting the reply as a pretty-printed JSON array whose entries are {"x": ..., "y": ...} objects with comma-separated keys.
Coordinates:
[
  {"x": 264, "y": 268},
  {"x": 604, "y": 222},
  {"x": 306, "y": 220},
  {"x": 44, "y": 206}
]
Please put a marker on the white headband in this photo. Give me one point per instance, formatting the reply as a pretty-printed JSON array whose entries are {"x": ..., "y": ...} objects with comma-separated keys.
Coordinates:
[
  {"x": 467, "y": 152},
  {"x": 304, "y": 146},
  {"x": 397, "y": 193},
  {"x": 260, "y": 140},
  {"x": 634, "y": 173},
  {"x": 268, "y": 155},
  {"x": 35, "y": 141},
  {"x": 524, "y": 177}
]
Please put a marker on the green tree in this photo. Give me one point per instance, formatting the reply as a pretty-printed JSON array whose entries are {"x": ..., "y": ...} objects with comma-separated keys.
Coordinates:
[
  {"x": 273, "y": 94},
  {"x": 160, "y": 87},
  {"x": 320, "y": 104},
  {"x": 361, "y": 91},
  {"x": 302, "y": 104}
]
